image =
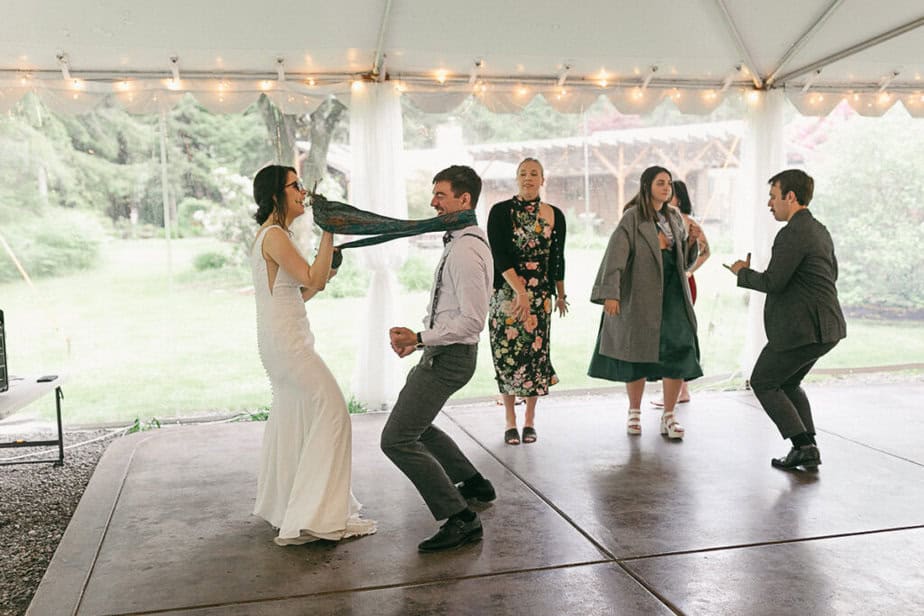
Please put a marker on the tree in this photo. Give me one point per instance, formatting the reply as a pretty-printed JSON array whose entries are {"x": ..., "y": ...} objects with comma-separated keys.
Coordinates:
[{"x": 869, "y": 191}]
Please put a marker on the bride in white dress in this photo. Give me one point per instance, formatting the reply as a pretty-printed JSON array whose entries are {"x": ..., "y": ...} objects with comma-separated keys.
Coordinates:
[{"x": 305, "y": 467}]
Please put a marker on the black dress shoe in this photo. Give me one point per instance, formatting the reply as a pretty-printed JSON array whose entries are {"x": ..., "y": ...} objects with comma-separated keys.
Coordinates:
[
  {"x": 452, "y": 534},
  {"x": 807, "y": 456},
  {"x": 482, "y": 491}
]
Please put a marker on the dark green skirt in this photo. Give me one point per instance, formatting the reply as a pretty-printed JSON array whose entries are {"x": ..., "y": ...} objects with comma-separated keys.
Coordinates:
[{"x": 678, "y": 349}]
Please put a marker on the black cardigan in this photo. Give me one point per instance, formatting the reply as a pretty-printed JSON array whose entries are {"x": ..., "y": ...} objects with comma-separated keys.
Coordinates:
[{"x": 500, "y": 236}]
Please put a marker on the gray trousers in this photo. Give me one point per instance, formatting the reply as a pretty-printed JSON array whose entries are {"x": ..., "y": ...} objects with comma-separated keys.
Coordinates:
[
  {"x": 777, "y": 383},
  {"x": 423, "y": 452}
]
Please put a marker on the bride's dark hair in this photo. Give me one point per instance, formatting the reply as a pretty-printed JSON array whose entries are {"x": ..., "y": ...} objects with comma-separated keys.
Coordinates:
[{"x": 269, "y": 187}]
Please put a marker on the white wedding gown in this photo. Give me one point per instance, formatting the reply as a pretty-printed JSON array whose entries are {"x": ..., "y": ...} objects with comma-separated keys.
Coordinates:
[{"x": 304, "y": 483}]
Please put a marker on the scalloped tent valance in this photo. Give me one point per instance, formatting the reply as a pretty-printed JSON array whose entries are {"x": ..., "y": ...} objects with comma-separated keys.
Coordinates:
[
  {"x": 73, "y": 55},
  {"x": 235, "y": 96}
]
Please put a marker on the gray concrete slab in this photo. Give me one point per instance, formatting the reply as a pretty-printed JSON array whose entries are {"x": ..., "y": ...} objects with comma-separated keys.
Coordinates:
[
  {"x": 647, "y": 495},
  {"x": 586, "y": 590},
  {"x": 183, "y": 519},
  {"x": 588, "y": 520},
  {"x": 887, "y": 417},
  {"x": 862, "y": 575}
]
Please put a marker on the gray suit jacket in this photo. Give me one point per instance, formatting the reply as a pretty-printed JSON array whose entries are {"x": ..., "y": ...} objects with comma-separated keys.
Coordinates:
[
  {"x": 799, "y": 281},
  {"x": 632, "y": 272}
]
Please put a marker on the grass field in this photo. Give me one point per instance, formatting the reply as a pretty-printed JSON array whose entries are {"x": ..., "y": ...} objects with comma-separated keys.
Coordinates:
[{"x": 137, "y": 343}]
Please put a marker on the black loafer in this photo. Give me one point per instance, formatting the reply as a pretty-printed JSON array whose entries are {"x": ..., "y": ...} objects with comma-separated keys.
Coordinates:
[
  {"x": 452, "y": 534},
  {"x": 482, "y": 491},
  {"x": 807, "y": 457}
]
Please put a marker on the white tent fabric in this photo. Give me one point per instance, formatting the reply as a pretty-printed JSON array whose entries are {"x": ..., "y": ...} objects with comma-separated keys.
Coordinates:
[
  {"x": 378, "y": 186},
  {"x": 762, "y": 156},
  {"x": 506, "y": 53}
]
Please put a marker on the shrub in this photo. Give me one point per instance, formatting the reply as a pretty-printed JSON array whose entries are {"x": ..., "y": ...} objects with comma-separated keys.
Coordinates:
[
  {"x": 209, "y": 260},
  {"x": 351, "y": 279},
  {"x": 60, "y": 243},
  {"x": 190, "y": 216},
  {"x": 416, "y": 274}
]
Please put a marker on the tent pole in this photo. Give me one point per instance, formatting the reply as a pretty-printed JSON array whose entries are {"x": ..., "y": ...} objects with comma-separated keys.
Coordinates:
[
  {"x": 739, "y": 43},
  {"x": 165, "y": 195},
  {"x": 802, "y": 40},
  {"x": 845, "y": 53}
]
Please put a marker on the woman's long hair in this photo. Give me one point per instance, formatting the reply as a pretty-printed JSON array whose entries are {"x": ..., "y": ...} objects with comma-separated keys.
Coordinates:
[
  {"x": 643, "y": 199},
  {"x": 269, "y": 191},
  {"x": 683, "y": 197}
]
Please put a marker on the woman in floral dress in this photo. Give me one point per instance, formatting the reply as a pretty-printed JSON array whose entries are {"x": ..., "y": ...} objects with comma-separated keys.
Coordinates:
[{"x": 527, "y": 240}]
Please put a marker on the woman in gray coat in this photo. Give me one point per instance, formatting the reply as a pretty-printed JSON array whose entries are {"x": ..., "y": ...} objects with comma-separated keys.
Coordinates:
[{"x": 648, "y": 328}]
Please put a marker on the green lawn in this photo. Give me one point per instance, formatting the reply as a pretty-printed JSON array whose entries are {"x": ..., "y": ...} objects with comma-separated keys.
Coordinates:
[{"x": 133, "y": 344}]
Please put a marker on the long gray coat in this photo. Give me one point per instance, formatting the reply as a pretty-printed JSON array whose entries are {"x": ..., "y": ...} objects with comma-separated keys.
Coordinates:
[{"x": 632, "y": 272}]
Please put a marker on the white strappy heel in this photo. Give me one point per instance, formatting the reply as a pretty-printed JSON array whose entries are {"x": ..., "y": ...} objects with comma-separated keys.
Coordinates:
[
  {"x": 634, "y": 423},
  {"x": 670, "y": 427}
]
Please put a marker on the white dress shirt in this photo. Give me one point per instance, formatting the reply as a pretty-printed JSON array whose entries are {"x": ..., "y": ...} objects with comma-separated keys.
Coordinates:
[{"x": 465, "y": 289}]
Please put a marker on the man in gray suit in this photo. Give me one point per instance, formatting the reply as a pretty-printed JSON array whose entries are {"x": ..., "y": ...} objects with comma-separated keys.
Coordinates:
[
  {"x": 802, "y": 316},
  {"x": 459, "y": 298}
]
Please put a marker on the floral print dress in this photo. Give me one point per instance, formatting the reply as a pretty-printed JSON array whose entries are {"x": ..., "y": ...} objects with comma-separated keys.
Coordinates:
[{"x": 520, "y": 349}]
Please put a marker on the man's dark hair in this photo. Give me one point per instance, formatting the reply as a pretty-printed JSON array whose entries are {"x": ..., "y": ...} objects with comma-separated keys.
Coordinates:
[
  {"x": 799, "y": 182},
  {"x": 463, "y": 179}
]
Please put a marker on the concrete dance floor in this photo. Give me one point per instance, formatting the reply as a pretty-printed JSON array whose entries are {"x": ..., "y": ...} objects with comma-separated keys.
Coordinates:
[{"x": 588, "y": 520}]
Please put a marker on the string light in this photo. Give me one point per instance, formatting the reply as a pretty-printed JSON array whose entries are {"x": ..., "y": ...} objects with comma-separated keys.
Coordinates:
[
  {"x": 357, "y": 85},
  {"x": 730, "y": 77},
  {"x": 65, "y": 67},
  {"x": 175, "y": 67},
  {"x": 651, "y": 71},
  {"x": 563, "y": 74},
  {"x": 441, "y": 75},
  {"x": 280, "y": 71},
  {"x": 476, "y": 69}
]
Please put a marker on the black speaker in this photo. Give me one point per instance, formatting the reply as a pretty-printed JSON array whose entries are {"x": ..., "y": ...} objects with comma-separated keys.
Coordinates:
[{"x": 4, "y": 375}]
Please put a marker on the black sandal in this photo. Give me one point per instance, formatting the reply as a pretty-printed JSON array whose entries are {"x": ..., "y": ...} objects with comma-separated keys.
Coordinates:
[
  {"x": 529, "y": 434},
  {"x": 512, "y": 437}
]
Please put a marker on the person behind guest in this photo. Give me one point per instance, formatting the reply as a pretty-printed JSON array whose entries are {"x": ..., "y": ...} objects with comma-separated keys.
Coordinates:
[
  {"x": 527, "y": 239},
  {"x": 458, "y": 307},
  {"x": 681, "y": 200},
  {"x": 802, "y": 315},
  {"x": 303, "y": 487},
  {"x": 648, "y": 328}
]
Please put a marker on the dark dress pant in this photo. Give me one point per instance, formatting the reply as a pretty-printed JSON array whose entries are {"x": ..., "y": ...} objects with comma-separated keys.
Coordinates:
[
  {"x": 427, "y": 455},
  {"x": 777, "y": 383}
]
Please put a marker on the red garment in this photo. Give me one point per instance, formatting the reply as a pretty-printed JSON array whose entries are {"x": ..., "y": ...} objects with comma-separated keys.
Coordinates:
[{"x": 692, "y": 282}]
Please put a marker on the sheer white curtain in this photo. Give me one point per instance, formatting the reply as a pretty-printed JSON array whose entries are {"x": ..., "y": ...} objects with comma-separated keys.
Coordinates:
[
  {"x": 763, "y": 155},
  {"x": 378, "y": 185}
]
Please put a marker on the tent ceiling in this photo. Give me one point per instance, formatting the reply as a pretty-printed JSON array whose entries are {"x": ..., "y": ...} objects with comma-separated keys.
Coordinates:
[
  {"x": 227, "y": 52},
  {"x": 692, "y": 43}
]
